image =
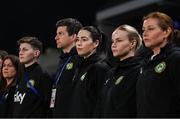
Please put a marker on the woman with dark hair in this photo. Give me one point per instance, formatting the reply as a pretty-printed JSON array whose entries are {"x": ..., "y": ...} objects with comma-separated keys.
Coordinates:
[
  {"x": 3, "y": 53},
  {"x": 90, "y": 73},
  {"x": 10, "y": 73},
  {"x": 158, "y": 86}
]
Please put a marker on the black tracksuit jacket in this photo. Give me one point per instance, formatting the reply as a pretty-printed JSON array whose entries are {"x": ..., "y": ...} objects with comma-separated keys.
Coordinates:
[
  {"x": 6, "y": 97},
  {"x": 64, "y": 85},
  {"x": 87, "y": 84},
  {"x": 158, "y": 86},
  {"x": 27, "y": 103},
  {"x": 118, "y": 97}
]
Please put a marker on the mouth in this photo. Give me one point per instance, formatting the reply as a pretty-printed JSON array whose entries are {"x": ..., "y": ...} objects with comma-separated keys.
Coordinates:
[
  {"x": 114, "y": 50},
  {"x": 145, "y": 39},
  {"x": 5, "y": 72},
  {"x": 79, "y": 48}
]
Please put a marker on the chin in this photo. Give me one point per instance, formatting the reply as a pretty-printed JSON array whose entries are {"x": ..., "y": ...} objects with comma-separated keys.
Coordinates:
[
  {"x": 115, "y": 55},
  {"x": 81, "y": 55},
  {"x": 147, "y": 45}
]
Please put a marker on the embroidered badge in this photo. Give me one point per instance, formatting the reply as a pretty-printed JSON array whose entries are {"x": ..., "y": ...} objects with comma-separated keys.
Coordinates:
[
  {"x": 160, "y": 67},
  {"x": 69, "y": 66},
  {"x": 83, "y": 76},
  {"x": 119, "y": 80},
  {"x": 32, "y": 82}
]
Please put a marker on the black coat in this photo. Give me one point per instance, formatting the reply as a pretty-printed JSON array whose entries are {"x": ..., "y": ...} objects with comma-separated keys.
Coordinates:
[
  {"x": 88, "y": 82},
  {"x": 158, "y": 86},
  {"x": 6, "y": 98},
  {"x": 64, "y": 85},
  {"x": 118, "y": 97},
  {"x": 27, "y": 102}
]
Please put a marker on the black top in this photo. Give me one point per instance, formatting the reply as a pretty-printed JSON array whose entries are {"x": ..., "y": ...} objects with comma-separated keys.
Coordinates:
[
  {"x": 118, "y": 98},
  {"x": 63, "y": 78},
  {"x": 88, "y": 82},
  {"x": 32, "y": 100},
  {"x": 6, "y": 98},
  {"x": 158, "y": 87}
]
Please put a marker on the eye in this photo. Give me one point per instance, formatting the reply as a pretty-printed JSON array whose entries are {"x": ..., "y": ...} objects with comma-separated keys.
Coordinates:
[
  {"x": 112, "y": 41},
  {"x": 84, "y": 39},
  {"x": 151, "y": 28},
  {"x": 77, "y": 39}
]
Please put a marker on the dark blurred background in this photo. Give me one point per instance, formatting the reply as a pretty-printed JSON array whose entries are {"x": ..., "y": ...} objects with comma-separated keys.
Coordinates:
[{"x": 19, "y": 18}]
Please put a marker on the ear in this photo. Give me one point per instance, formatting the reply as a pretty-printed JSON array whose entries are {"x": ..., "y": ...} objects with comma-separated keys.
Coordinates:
[
  {"x": 167, "y": 32},
  {"x": 36, "y": 53},
  {"x": 96, "y": 43},
  {"x": 133, "y": 44},
  {"x": 73, "y": 37}
]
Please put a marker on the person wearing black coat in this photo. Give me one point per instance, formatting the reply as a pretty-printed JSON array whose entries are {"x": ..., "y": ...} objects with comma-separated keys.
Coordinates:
[
  {"x": 32, "y": 93},
  {"x": 90, "y": 73},
  {"x": 118, "y": 97},
  {"x": 10, "y": 73},
  {"x": 67, "y": 30},
  {"x": 158, "y": 86}
]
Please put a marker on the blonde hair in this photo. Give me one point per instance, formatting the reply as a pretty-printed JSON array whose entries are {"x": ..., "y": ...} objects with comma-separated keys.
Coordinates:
[{"x": 132, "y": 34}]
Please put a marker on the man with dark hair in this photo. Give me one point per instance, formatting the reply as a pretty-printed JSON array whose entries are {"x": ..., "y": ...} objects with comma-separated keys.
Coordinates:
[
  {"x": 66, "y": 34},
  {"x": 32, "y": 92}
]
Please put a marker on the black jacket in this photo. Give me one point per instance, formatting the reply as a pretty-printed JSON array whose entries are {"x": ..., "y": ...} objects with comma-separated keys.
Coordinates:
[
  {"x": 29, "y": 103},
  {"x": 66, "y": 69},
  {"x": 158, "y": 86},
  {"x": 6, "y": 98},
  {"x": 118, "y": 98},
  {"x": 88, "y": 82}
]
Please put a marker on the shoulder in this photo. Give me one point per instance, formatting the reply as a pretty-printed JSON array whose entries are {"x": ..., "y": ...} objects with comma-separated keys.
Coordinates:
[
  {"x": 174, "y": 52},
  {"x": 102, "y": 65}
]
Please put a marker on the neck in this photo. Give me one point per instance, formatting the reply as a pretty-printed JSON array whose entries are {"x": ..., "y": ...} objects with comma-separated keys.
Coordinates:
[
  {"x": 157, "y": 50},
  {"x": 130, "y": 54},
  {"x": 29, "y": 64},
  {"x": 9, "y": 81},
  {"x": 68, "y": 49},
  {"x": 85, "y": 57}
]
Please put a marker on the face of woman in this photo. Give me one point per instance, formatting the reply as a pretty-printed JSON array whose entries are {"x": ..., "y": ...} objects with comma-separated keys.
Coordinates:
[
  {"x": 121, "y": 46},
  {"x": 84, "y": 44},
  {"x": 153, "y": 35},
  {"x": 8, "y": 70}
]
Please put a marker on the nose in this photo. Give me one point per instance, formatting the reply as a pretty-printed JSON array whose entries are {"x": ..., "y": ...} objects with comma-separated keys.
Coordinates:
[
  {"x": 56, "y": 37},
  {"x": 20, "y": 52},
  {"x": 78, "y": 43},
  {"x": 113, "y": 44},
  {"x": 144, "y": 33}
]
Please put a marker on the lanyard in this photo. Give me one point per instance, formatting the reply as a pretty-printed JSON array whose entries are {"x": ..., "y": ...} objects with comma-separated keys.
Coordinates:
[
  {"x": 26, "y": 78},
  {"x": 63, "y": 67}
]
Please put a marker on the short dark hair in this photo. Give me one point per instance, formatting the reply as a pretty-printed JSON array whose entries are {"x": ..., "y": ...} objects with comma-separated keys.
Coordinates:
[
  {"x": 3, "y": 53},
  {"x": 73, "y": 25},
  {"x": 33, "y": 41}
]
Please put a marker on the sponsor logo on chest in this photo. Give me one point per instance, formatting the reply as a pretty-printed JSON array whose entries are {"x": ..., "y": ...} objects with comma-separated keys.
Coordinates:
[{"x": 19, "y": 97}]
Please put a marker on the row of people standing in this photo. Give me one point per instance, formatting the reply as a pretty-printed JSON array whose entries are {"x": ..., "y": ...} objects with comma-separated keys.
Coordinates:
[
  {"x": 141, "y": 85},
  {"x": 25, "y": 89},
  {"x": 87, "y": 85}
]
